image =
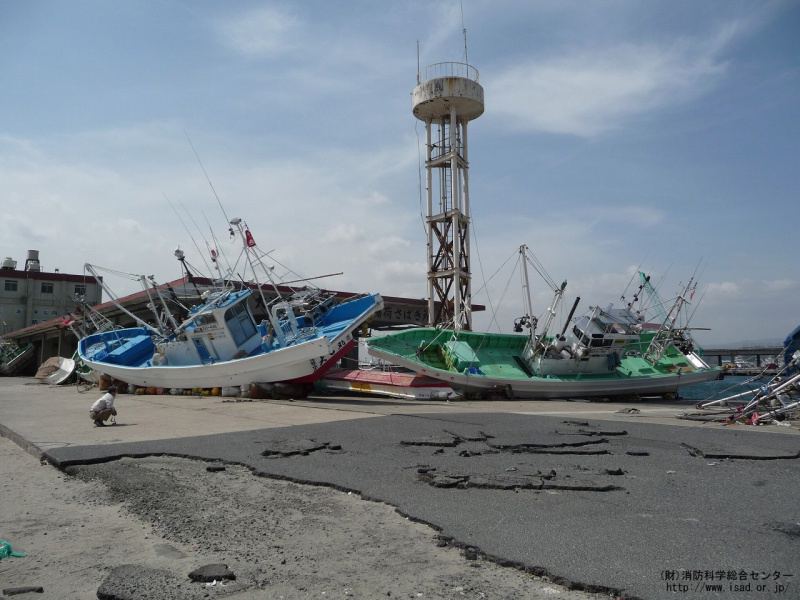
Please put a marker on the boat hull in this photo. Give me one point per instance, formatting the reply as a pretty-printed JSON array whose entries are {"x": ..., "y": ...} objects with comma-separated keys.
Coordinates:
[
  {"x": 371, "y": 382},
  {"x": 55, "y": 370},
  {"x": 292, "y": 362},
  {"x": 496, "y": 369},
  {"x": 303, "y": 362},
  {"x": 551, "y": 389}
]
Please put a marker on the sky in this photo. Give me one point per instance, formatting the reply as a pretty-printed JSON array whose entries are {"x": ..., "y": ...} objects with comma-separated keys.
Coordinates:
[{"x": 617, "y": 135}]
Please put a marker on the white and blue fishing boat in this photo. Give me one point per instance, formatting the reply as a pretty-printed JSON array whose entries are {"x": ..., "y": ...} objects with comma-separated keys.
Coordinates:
[{"x": 220, "y": 343}]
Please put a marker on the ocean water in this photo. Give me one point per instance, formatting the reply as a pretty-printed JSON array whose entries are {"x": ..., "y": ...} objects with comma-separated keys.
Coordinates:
[{"x": 712, "y": 390}]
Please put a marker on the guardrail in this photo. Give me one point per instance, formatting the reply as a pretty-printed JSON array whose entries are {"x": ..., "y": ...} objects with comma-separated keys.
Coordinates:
[{"x": 449, "y": 69}]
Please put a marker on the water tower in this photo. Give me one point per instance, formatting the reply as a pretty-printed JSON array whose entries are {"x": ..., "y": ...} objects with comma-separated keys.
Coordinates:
[{"x": 446, "y": 99}]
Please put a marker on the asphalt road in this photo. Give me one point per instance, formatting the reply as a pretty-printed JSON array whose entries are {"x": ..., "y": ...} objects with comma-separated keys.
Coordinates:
[{"x": 622, "y": 507}]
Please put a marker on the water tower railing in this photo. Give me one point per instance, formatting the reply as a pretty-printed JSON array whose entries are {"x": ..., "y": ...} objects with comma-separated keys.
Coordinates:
[{"x": 450, "y": 69}]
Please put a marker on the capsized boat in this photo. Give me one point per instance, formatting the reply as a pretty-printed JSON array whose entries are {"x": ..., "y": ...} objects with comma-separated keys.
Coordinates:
[
  {"x": 610, "y": 352},
  {"x": 393, "y": 383},
  {"x": 55, "y": 370},
  {"x": 220, "y": 344}
]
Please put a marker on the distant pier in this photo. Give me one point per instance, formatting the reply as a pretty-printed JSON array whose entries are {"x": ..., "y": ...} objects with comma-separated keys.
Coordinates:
[{"x": 757, "y": 355}]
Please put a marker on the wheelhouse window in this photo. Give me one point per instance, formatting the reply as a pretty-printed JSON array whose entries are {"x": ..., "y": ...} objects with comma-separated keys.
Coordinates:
[
  {"x": 240, "y": 324},
  {"x": 207, "y": 319},
  {"x": 10, "y": 285},
  {"x": 47, "y": 287}
]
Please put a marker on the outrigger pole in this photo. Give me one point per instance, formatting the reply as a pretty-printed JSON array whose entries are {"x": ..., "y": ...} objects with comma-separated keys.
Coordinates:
[{"x": 108, "y": 291}]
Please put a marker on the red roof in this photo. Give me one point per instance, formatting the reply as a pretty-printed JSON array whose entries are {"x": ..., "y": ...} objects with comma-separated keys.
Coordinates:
[{"x": 183, "y": 281}]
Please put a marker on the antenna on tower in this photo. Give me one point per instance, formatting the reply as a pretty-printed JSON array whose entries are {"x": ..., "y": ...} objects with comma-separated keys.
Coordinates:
[
  {"x": 418, "y": 79},
  {"x": 464, "y": 31}
]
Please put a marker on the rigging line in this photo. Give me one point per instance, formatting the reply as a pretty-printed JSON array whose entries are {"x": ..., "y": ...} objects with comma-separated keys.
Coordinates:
[
  {"x": 513, "y": 254},
  {"x": 194, "y": 222},
  {"x": 442, "y": 330},
  {"x": 663, "y": 277},
  {"x": 208, "y": 246},
  {"x": 539, "y": 268},
  {"x": 627, "y": 287},
  {"x": 696, "y": 306},
  {"x": 534, "y": 261},
  {"x": 217, "y": 245},
  {"x": 189, "y": 233},
  {"x": 505, "y": 291},
  {"x": 289, "y": 270},
  {"x": 131, "y": 276},
  {"x": 211, "y": 185},
  {"x": 480, "y": 265},
  {"x": 432, "y": 342},
  {"x": 659, "y": 306},
  {"x": 236, "y": 264}
]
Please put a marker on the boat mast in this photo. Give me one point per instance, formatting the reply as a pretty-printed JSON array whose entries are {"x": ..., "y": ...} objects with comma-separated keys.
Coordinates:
[
  {"x": 551, "y": 310},
  {"x": 248, "y": 244},
  {"x": 167, "y": 311},
  {"x": 528, "y": 257},
  {"x": 111, "y": 295},
  {"x": 664, "y": 334},
  {"x": 526, "y": 292}
]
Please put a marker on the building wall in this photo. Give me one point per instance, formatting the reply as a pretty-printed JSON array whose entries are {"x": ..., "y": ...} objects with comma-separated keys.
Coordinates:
[{"x": 30, "y": 297}]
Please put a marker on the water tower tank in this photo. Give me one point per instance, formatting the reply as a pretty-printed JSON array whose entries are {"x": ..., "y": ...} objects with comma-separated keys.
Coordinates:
[
  {"x": 32, "y": 262},
  {"x": 448, "y": 85}
]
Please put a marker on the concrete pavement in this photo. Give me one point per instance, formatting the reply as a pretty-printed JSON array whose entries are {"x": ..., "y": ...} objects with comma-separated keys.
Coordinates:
[
  {"x": 594, "y": 497},
  {"x": 41, "y": 417}
]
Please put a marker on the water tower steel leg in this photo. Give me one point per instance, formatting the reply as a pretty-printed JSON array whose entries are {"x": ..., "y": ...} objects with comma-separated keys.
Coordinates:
[
  {"x": 468, "y": 265},
  {"x": 454, "y": 206},
  {"x": 429, "y": 222}
]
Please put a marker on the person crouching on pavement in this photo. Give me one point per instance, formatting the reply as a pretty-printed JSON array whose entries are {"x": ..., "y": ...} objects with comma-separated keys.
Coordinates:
[{"x": 103, "y": 408}]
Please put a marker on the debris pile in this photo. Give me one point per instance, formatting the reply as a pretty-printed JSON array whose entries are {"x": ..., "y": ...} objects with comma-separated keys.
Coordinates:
[{"x": 773, "y": 402}]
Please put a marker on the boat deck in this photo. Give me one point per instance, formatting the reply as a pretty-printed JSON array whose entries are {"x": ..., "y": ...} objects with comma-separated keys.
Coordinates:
[{"x": 498, "y": 356}]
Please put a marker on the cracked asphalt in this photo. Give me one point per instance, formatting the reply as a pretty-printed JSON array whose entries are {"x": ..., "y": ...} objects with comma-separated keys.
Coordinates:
[{"x": 601, "y": 506}]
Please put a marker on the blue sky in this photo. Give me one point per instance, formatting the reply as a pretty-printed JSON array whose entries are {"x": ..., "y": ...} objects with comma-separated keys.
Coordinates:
[{"x": 616, "y": 133}]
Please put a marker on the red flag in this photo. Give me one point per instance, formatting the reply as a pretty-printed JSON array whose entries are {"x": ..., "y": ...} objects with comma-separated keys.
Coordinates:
[{"x": 249, "y": 238}]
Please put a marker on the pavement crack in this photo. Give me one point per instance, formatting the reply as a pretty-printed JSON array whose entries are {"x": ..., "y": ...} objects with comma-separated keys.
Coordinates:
[
  {"x": 437, "y": 441},
  {"x": 697, "y": 452},
  {"x": 304, "y": 447},
  {"x": 515, "y": 482}
]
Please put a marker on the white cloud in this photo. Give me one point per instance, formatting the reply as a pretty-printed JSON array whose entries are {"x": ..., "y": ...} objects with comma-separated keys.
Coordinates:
[
  {"x": 266, "y": 31},
  {"x": 645, "y": 216},
  {"x": 780, "y": 285},
  {"x": 345, "y": 232},
  {"x": 723, "y": 289},
  {"x": 594, "y": 90},
  {"x": 87, "y": 199}
]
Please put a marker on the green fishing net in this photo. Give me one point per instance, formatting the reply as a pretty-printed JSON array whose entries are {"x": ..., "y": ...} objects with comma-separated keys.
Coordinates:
[{"x": 6, "y": 550}]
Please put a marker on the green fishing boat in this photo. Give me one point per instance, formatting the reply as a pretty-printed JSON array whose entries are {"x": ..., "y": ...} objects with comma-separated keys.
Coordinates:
[
  {"x": 610, "y": 352},
  {"x": 14, "y": 357}
]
